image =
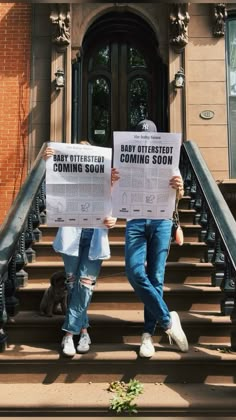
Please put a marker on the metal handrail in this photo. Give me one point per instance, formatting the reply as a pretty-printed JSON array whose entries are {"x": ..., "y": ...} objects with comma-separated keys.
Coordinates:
[
  {"x": 14, "y": 223},
  {"x": 16, "y": 220},
  {"x": 220, "y": 211}
]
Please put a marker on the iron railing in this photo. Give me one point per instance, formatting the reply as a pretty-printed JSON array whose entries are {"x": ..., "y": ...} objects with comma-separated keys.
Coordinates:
[
  {"x": 18, "y": 232},
  {"x": 218, "y": 230},
  {"x": 218, "y": 226}
]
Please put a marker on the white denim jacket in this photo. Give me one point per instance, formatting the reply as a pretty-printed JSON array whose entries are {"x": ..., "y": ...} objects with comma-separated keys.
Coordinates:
[{"x": 67, "y": 242}]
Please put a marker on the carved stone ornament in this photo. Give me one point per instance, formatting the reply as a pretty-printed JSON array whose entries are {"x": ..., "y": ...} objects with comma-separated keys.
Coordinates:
[
  {"x": 220, "y": 15},
  {"x": 179, "y": 19},
  {"x": 60, "y": 18}
]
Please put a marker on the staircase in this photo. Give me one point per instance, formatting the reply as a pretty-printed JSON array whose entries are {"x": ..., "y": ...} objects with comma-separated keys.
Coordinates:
[{"x": 36, "y": 379}]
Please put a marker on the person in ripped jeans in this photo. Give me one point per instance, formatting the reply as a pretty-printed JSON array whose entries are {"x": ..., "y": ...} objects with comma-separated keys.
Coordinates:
[{"x": 82, "y": 251}]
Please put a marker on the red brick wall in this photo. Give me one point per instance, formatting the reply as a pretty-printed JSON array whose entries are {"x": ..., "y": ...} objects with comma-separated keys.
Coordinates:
[{"x": 15, "y": 47}]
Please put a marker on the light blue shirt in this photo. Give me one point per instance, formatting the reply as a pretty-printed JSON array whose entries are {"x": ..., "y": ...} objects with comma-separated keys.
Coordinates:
[{"x": 68, "y": 238}]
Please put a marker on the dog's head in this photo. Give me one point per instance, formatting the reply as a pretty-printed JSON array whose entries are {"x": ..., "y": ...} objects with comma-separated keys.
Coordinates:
[{"x": 57, "y": 281}]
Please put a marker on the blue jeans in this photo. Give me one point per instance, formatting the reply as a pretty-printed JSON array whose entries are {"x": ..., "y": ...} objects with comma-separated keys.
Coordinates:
[
  {"x": 147, "y": 243},
  {"x": 79, "y": 269}
]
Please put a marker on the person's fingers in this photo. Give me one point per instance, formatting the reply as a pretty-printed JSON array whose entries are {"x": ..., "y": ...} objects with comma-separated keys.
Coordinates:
[
  {"x": 109, "y": 222},
  {"x": 49, "y": 151},
  {"x": 114, "y": 175},
  {"x": 176, "y": 182}
]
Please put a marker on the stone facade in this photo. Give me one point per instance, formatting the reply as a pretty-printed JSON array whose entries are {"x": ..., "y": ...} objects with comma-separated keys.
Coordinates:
[{"x": 32, "y": 112}]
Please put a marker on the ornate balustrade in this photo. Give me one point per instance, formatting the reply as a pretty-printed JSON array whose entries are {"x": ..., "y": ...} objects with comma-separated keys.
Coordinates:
[
  {"x": 218, "y": 229},
  {"x": 17, "y": 234},
  {"x": 217, "y": 222}
]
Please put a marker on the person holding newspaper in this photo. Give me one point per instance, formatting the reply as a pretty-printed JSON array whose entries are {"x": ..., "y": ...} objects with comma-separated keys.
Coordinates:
[
  {"x": 82, "y": 251},
  {"x": 147, "y": 245}
]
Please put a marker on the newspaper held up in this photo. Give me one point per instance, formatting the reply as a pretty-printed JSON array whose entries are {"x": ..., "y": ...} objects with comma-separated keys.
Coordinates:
[
  {"x": 78, "y": 185},
  {"x": 146, "y": 161}
]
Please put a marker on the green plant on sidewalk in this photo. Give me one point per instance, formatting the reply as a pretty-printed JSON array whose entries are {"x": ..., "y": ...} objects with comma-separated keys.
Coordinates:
[{"x": 125, "y": 394}]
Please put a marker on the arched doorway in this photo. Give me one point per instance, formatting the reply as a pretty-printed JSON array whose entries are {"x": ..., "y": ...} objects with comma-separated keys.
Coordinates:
[{"x": 119, "y": 80}]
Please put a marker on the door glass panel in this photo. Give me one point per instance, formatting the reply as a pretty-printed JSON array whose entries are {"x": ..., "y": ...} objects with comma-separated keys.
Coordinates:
[
  {"x": 232, "y": 56},
  {"x": 100, "y": 59},
  {"x": 231, "y": 45},
  {"x": 138, "y": 101},
  {"x": 135, "y": 58},
  {"x": 99, "y": 111},
  {"x": 120, "y": 74}
]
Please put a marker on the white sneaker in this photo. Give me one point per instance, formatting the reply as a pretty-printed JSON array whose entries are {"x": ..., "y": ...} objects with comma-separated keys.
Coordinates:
[
  {"x": 84, "y": 343},
  {"x": 176, "y": 333},
  {"x": 147, "y": 348},
  {"x": 67, "y": 344}
]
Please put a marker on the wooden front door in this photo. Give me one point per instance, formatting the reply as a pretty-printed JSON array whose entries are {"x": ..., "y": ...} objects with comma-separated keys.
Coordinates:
[{"x": 123, "y": 79}]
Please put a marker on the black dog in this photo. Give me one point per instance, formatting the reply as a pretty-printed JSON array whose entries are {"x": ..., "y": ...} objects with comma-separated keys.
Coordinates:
[{"x": 54, "y": 300}]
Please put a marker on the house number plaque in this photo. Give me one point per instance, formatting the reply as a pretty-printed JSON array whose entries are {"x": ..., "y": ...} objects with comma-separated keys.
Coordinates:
[{"x": 207, "y": 114}]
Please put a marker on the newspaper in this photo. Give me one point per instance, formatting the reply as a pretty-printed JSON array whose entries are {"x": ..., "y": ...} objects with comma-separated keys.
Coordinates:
[
  {"x": 146, "y": 161},
  {"x": 78, "y": 185}
]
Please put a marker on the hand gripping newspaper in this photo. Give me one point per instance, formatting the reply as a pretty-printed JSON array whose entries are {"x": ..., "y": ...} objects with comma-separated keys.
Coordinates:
[
  {"x": 78, "y": 185},
  {"x": 146, "y": 161}
]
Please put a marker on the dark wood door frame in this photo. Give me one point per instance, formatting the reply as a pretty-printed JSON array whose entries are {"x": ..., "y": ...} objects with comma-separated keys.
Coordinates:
[{"x": 119, "y": 31}]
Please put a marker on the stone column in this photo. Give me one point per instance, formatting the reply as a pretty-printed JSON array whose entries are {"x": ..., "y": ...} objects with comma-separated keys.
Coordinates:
[
  {"x": 60, "y": 120},
  {"x": 178, "y": 39}
]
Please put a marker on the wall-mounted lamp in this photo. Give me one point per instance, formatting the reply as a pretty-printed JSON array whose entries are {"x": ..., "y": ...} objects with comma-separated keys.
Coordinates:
[
  {"x": 179, "y": 79},
  {"x": 60, "y": 79}
]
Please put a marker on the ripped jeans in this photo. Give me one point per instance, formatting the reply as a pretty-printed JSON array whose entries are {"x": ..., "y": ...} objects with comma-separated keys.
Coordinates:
[{"x": 81, "y": 273}]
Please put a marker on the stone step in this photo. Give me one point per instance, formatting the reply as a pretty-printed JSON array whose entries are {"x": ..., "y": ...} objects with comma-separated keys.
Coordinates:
[
  {"x": 110, "y": 362},
  {"x": 189, "y": 251},
  {"x": 158, "y": 400},
  {"x": 191, "y": 232},
  {"x": 186, "y": 216},
  {"x": 111, "y": 296},
  {"x": 49, "y": 233},
  {"x": 36, "y": 379},
  {"x": 117, "y": 326},
  {"x": 176, "y": 272}
]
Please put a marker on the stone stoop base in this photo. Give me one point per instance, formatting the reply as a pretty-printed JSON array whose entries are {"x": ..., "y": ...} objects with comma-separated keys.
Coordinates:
[{"x": 93, "y": 400}]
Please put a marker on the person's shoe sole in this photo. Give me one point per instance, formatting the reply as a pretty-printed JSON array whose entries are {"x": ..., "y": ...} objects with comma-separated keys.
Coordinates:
[
  {"x": 63, "y": 348},
  {"x": 83, "y": 351},
  {"x": 183, "y": 346},
  {"x": 147, "y": 356},
  {"x": 147, "y": 351},
  {"x": 68, "y": 354}
]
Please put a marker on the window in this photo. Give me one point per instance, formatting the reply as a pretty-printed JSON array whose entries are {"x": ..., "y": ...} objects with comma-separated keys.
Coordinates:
[
  {"x": 119, "y": 80},
  {"x": 231, "y": 90}
]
